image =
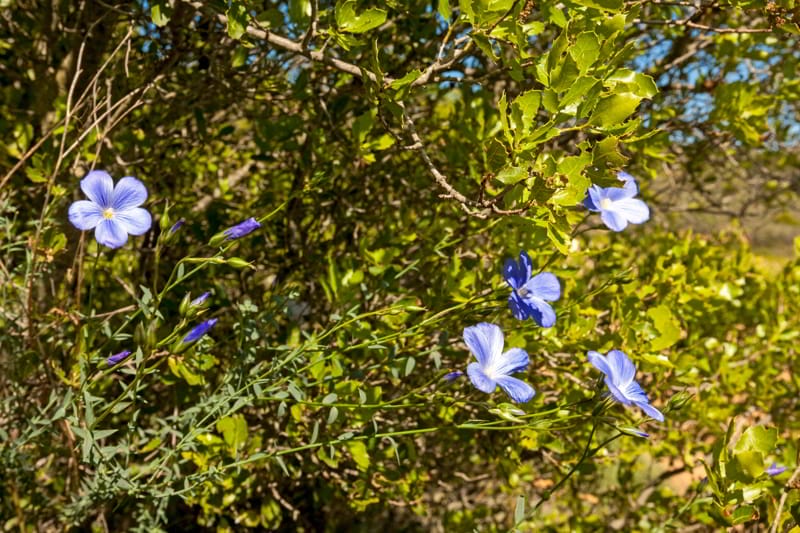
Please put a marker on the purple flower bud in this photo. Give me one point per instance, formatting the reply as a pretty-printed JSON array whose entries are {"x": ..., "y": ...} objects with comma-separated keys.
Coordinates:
[
  {"x": 199, "y": 330},
  {"x": 452, "y": 376},
  {"x": 118, "y": 358},
  {"x": 774, "y": 469},
  {"x": 175, "y": 227},
  {"x": 241, "y": 229},
  {"x": 200, "y": 299}
]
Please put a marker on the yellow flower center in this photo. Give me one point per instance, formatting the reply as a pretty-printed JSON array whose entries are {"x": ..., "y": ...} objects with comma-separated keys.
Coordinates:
[
  {"x": 605, "y": 203},
  {"x": 108, "y": 213}
]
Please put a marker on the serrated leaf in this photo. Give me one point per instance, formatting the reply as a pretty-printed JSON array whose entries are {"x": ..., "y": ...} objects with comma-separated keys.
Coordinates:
[
  {"x": 585, "y": 50},
  {"x": 613, "y": 110},
  {"x": 349, "y": 21}
]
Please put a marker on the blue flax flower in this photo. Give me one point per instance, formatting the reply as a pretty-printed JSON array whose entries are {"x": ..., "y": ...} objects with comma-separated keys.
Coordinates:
[
  {"x": 241, "y": 229},
  {"x": 199, "y": 330},
  {"x": 118, "y": 358},
  {"x": 494, "y": 367},
  {"x": 530, "y": 295},
  {"x": 774, "y": 469},
  {"x": 176, "y": 226},
  {"x": 200, "y": 299},
  {"x": 113, "y": 212},
  {"x": 617, "y": 205},
  {"x": 620, "y": 373}
]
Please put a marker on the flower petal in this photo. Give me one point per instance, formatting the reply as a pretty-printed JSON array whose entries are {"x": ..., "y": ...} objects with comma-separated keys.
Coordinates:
[
  {"x": 128, "y": 193},
  {"x": 632, "y": 391},
  {"x": 485, "y": 341},
  {"x": 519, "y": 307},
  {"x": 613, "y": 221},
  {"x": 511, "y": 274},
  {"x": 514, "y": 360},
  {"x": 633, "y": 209},
  {"x": 479, "y": 378},
  {"x": 110, "y": 233},
  {"x": 544, "y": 286},
  {"x": 517, "y": 390},
  {"x": 99, "y": 187},
  {"x": 622, "y": 367},
  {"x": 541, "y": 312},
  {"x": 616, "y": 393},
  {"x": 85, "y": 215},
  {"x": 651, "y": 411},
  {"x": 599, "y": 361},
  {"x": 526, "y": 264},
  {"x": 630, "y": 183},
  {"x": 135, "y": 221},
  {"x": 595, "y": 194}
]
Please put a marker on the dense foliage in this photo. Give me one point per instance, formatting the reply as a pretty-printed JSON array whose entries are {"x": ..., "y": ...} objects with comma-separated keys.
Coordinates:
[{"x": 392, "y": 156}]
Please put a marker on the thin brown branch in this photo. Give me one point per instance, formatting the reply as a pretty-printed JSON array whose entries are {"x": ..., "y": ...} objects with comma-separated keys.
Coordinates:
[{"x": 703, "y": 27}]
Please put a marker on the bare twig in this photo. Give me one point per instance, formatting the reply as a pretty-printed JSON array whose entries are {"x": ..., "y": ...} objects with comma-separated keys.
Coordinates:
[
  {"x": 440, "y": 178},
  {"x": 312, "y": 25},
  {"x": 703, "y": 27}
]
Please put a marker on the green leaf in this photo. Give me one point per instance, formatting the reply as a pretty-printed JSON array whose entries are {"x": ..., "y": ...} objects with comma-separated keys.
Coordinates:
[
  {"x": 349, "y": 21},
  {"x": 523, "y": 112},
  {"x": 358, "y": 450},
  {"x": 443, "y": 6},
  {"x": 575, "y": 93},
  {"x": 403, "y": 84},
  {"x": 635, "y": 82},
  {"x": 330, "y": 398},
  {"x": 667, "y": 325},
  {"x": 511, "y": 175},
  {"x": 233, "y": 429},
  {"x": 362, "y": 125},
  {"x": 299, "y": 11},
  {"x": 519, "y": 510},
  {"x": 410, "y": 363},
  {"x": 604, "y": 5},
  {"x": 160, "y": 12},
  {"x": 757, "y": 438},
  {"x": 746, "y": 466},
  {"x": 743, "y": 514},
  {"x": 237, "y": 20},
  {"x": 613, "y": 110},
  {"x": 585, "y": 50}
]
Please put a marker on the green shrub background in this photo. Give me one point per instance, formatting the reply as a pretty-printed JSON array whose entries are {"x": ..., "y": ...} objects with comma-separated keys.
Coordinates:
[{"x": 397, "y": 153}]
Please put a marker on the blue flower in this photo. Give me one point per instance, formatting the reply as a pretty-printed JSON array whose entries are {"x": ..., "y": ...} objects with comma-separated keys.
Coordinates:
[
  {"x": 620, "y": 373},
  {"x": 111, "y": 211},
  {"x": 530, "y": 295},
  {"x": 617, "y": 205},
  {"x": 176, "y": 226},
  {"x": 241, "y": 229},
  {"x": 494, "y": 367},
  {"x": 199, "y": 330},
  {"x": 452, "y": 376},
  {"x": 774, "y": 469},
  {"x": 118, "y": 358},
  {"x": 200, "y": 299}
]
